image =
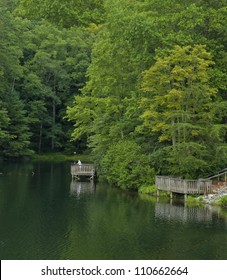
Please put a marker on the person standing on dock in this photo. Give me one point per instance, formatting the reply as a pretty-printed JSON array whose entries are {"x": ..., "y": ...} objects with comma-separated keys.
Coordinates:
[{"x": 79, "y": 163}]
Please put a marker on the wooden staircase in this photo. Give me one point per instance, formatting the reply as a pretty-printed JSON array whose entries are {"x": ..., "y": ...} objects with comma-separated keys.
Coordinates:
[{"x": 219, "y": 181}]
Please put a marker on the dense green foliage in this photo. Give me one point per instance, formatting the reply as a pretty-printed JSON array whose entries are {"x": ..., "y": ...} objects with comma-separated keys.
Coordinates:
[
  {"x": 180, "y": 108},
  {"x": 63, "y": 12},
  {"x": 224, "y": 201},
  {"x": 142, "y": 84},
  {"x": 41, "y": 67}
]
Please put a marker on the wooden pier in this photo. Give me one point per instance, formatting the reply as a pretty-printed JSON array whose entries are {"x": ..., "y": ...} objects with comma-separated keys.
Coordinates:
[
  {"x": 181, "y": 186},
  {"x": 87, "y": 170}
]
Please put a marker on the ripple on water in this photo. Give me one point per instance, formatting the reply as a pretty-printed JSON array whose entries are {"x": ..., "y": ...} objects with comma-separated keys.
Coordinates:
[{"x": 49, "y": 217}]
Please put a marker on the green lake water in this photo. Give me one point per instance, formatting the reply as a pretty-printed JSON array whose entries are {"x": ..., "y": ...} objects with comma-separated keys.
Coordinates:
[{"x": 45, "y": 215}]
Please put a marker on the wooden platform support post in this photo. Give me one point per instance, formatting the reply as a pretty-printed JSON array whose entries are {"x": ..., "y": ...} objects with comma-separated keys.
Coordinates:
[{"x": 171, "y": 195}]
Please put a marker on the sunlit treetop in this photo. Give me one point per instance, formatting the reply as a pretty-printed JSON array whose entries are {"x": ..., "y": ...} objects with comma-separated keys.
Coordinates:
[{"x": 63, "y": 12}]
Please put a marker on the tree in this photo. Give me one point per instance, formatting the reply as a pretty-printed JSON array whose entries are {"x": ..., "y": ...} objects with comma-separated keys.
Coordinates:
[
  {"x": 17, "y": 144},
  {"x": 55, "y": 61},
  {"x": 124, "y": 166},
  {"x": 4, "y": 123},
  {"x": 179, "y": 107},
  {"x": 66, "y": 13},
  {"x": 41, "y": 67},
  {"x": 119, "y": 55},
  {"x": 15, "y": 137}
]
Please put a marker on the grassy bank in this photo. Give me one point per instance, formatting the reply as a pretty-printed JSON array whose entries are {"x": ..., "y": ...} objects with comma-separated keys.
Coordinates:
[
  {"x": 190, "y": 200},
  {"x": 61, "y": 157},
  {"x": 201, "y": 200},
  {"x": 152, "y": 190}
]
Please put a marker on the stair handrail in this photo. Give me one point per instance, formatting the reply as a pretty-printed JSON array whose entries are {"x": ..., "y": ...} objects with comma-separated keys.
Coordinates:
[{"x": 219, "y": 173}]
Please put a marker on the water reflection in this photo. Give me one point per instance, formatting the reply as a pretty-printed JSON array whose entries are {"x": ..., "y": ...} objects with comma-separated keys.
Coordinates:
[
  {"x": 183, "y": 213},
  {"x": 46, "y": 216},
  {"x": 77, "y": 188}
]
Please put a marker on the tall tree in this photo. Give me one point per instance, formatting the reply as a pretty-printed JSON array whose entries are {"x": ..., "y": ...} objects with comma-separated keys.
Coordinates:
[
  {"x": 15, "y": 137},
  {"x": 55, "y": 61},
  {"x": 4, "y": 124},
  {"x": 180, "y": 108}
]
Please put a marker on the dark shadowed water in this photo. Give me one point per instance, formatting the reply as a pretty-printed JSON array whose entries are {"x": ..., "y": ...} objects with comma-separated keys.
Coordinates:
[{"x": 44, "y": 215}]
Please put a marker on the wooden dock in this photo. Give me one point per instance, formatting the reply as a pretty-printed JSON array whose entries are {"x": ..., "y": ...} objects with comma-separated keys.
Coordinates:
[
  {"x": 84, "y": 170},
  {"x": 181, "y": 186}
]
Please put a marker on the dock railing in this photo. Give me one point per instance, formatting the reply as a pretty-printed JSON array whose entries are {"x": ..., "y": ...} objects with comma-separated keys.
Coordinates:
[
  {"x": 179, "y": 185},
  {"x": 82, "y": 170}
]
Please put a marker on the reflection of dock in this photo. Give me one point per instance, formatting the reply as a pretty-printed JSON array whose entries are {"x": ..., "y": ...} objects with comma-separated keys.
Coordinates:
[
  {"x": 183, "y": 214},
  {"x": 83, "y": 170},
  {"x": 81, "y": 187}
]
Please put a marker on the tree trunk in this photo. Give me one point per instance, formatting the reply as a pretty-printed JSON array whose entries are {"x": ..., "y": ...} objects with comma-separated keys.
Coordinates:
[
  {"x": 53, "y": 124},
  {"x": 173, "y": 136},
  {"x": 40, "y": 137},
  {"x": 53, "y": 116}
]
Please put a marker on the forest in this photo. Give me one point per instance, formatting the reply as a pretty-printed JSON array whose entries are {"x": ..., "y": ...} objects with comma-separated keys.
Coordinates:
[{"x": 140, "y": 85}]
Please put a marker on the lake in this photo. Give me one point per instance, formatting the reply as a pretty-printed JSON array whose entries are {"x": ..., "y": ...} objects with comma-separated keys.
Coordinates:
[{"x": 46, "y": 215}]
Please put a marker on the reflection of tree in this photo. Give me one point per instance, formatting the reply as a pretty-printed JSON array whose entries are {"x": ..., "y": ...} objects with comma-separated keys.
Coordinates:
[
  {"x": 33, "y": 212},
  {"x": 119, "y": 225},
  {"x": 110, "y": 226},
  {"x": 40, "y": 220}
]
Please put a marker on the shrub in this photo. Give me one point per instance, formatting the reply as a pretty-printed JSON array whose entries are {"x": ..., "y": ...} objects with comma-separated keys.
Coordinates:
[
  {"x": 126, "y": 167},
  {"x": 224, "y": 201},
  {"x": 148, "y": 189}
]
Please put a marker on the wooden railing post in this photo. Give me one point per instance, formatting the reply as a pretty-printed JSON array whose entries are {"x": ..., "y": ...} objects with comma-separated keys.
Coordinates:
[
  {"x": 83, "y": 170},
  {"x": 185, "y": 189}
]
